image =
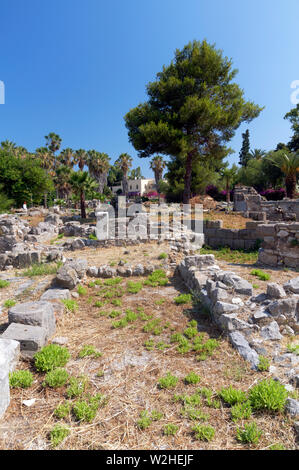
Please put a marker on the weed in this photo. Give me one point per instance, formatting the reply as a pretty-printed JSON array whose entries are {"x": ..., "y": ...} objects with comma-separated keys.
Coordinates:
[
  {"x": 50, "y": 357},
  {"x": 168, "y": 381},
  {"x": 235, "y": 256},
  {"x": 190, "y": 332},
  {"x": 144, "y": 421},
  {"x": 156, "y": 415},
  {"x": 151, "y": 325},
  {"x": 268, "y": 395},
  {"x": 116, "y": 302},
  {"x": 99, "y": 304},
  {"x": 56, "y": 378},
  {"x": 81, "y": 290},
  {"x": 58, "y": 434},
  {"x": 277, "y": 446},
  {"x": 163, "y": 256},
  {"x": 113, "y": 282},
  {"x": 160, "y": 301},
  {"x": 86, "y": 410},
  {"x": 9, "y": 303},
  {"x": 232, "y": 396},
  {"x": 192, "y": 400},
  {"x": 263, "y": 364},
  {"x": 114, "y": 314},
  {"x": 250, "y": 434},
  {"x": 120, "y": 323},
  {"x": 4, "y": 283},
  {"x": 91, "y": 284},
  {"x": 89, "y": 350},
  {"x": 92, "y": 237},
  {"x": 130, "y": 316},
  {"x": 100, "y": 373},
  {"x": 170, "y": 429},
  {"x": 20, "y": 379},
  {"x": 62, "y": 411},
  {"x": 184, "y": 346},
  {"x": 241, "y": 411},
  {"x": 293, "y": 348},
  {"x": 260, "y": 274},
  {"x": 157, "y": 278},
  {"x": 255, "y": 286},
  {"x": 71, "y": 305},
  {"x": 41, "y": 269},
  {"x": 192, "y": 378},
  {"x": 77, "y": 386},
  {"x": 149, "y": 344},
  {"x": 183, "y": 299},
  {"x": 134, "y": 287},
  {"x": 203, "y": 433}
]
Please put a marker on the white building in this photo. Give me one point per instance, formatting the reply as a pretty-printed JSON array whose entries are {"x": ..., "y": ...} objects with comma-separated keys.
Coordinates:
[{"x": 137, "y": 187}]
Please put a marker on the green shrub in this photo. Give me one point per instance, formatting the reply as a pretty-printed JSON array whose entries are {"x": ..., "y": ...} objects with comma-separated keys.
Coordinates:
[
  {"x": 241, "y": 411},
  {"x": 168, "y": 381},
  {"x": 170, "y": 429},
  {"x": 3, "y": 283},
  {"x": 89, "y": 350},
  {"x": 203, "y": 432},
  {"x": 232, "y": 396},
  {"x": 260, "y": 274},
  {"x": 9, "y": 303},
  {"x": 50, "y": 357},
  {"x": 62, "y": 411},
  {"x": 58, "y": 434},
  {"x": 77, "y": 386},
  {"x": 157, "y": 278},
  {"x": 268, "y": 395},
  {"x": 144, "y": 421},
  {"x": 263, "y": 364},
  {"x": 71, "y": 305},
  {"x": 192, "y": 378},
  {"x": 20, "y": 379},
  {"x": 81, "y": 290},
  {"x": 56, "y": 378},
  {"x": 250, "y": 434},
  {"x": 134, "y": 287},
  {"x": 183, "y": 299},
  {"x": 86, "y": 410}
]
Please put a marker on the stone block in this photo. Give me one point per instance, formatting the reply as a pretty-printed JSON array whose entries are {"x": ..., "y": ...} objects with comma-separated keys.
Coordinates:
[
  {"x": 31, "y": 338},
  {"x": 35, "y": 314}
]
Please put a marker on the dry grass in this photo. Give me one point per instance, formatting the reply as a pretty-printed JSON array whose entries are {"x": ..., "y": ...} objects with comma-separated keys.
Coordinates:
[
  {"x": 130, "y": 381},
  {"x": 231, "y": 220}
]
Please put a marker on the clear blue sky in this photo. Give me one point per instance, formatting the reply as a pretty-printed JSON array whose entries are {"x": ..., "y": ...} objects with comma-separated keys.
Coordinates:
[{"x": 75, "y": 67}]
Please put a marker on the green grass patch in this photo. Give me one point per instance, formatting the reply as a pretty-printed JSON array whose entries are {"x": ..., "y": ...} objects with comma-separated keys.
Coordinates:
[
  {"x": 56, "y": 378},
  {"x": 233, "y": 256},
  {"x": 183, "y": 299},
  {"x": 9, "y": 303},
  {"x": 58, "y": 434},
  {"x": 20, "y": 379},
  {"x": 250, "y": 434},
  {"x": 168, "y": 381},
  {"x": 50, "y": 357},
  {"x": 261, "y": 275},
  {"x": 89, "y": 350},
  {"x": 4, "y": 283},
  {"x": 203, "y": 432},
  {"x": 268, "y": 395},
  {"x": 71, "y": 305},
  {"x": 41, "y": 269}
]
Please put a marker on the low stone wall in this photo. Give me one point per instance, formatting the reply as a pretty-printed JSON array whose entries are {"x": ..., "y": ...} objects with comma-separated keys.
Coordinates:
[
  {"x": 280, "y": 245},
  {"x": 255, "y": 325},
  {"x": 237, "y": 239}
]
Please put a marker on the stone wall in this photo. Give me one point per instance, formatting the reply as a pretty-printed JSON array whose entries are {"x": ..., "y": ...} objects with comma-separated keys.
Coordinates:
[
  {"x": 280, "y": 245},
  {"x": 244, "y": 239}
]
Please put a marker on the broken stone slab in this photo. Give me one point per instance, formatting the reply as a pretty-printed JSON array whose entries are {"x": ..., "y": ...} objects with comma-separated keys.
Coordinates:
[
  {"x": 4, "y": 385},
  {"x": 10, "y": 349},
  {"x": 39, "y": 313},
  {"x": 230, "y": 322},
  {"x": 242, "y": 346},
  {"x": 271, "y": 332},
  {"x": 292, "y": 407},
  {"x": 31, "y": 338},
  {"x": 66, "y": 278},
  {"x": 92, "y": 271},
  {"x": 217, "y": 294},
  {"x": 240, "y": 285},
  {"x": 275, "y": 291},
  {"x": 79, "y": 265},
  {"x": 292, "y": 285},
  {"x": 223, "y": 307},
  {"x": 262, "y": 317},
  {"x": 283, "y": 306},
  {"x": 56, "y": 294}
]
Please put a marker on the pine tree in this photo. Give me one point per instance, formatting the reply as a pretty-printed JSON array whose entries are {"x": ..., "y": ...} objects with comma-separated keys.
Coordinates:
[{"x": 245, "y": 150}]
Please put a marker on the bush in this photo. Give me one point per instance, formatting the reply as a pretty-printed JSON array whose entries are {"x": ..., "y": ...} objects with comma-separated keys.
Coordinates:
[
  {"x": 50, "y": 357},
  {"x": 58, "y": 434},
  {"x": 168, "y": 381},
  {"x": 274, "y": 194},
  {"x": 56, "y": 378},
  {"x": 268, "y": 395},
  {"x": 20, "y": 379},
  {"x": 249, "y": 434},
  {"x": 203, "y": 433},
  {"x": 232, "y": 396}
]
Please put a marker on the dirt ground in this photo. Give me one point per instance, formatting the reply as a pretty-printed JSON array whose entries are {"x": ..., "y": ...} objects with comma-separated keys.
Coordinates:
[{"x": 130, "y": 371}]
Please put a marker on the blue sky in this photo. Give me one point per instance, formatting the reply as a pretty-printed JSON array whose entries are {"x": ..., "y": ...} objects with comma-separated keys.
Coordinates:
[{"x": 75, "y": 67}]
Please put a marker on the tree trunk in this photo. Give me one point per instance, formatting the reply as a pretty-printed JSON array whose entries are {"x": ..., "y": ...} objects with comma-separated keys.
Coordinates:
[
  {"x": 82, "y": 202},
  {"x": 227, "y": 193},
  {"x": 45, "y": 200},
  {"x": 290, "y": 182},
  {"x": 187, "y": 188}
]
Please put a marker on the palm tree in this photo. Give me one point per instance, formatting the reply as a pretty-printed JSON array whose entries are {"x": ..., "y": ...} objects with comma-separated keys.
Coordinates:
[
  {"x": 157, "y": 165},
  {"x": 289, "y": 165},
  {"x": 98, "y": 165},
  {"x": 8, "y": 146},
  {"x": 257, "y": 154},
  {"x": 80, "y": 158},
  {"x": 46, "y": 158},
  {"x": 124, "y": 163},
  {"x": 136, "y": 174},
  {"x": 229, "y": 175},
  {"x": 53, "y": 142},
  {"x": 66, "y": 157},
  {"x": 62, "y": 183},
  {"x": 82, "y": 183}
]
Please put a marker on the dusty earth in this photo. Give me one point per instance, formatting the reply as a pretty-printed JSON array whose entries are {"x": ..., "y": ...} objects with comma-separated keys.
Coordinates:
[{"x": 130, "y": 369}]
